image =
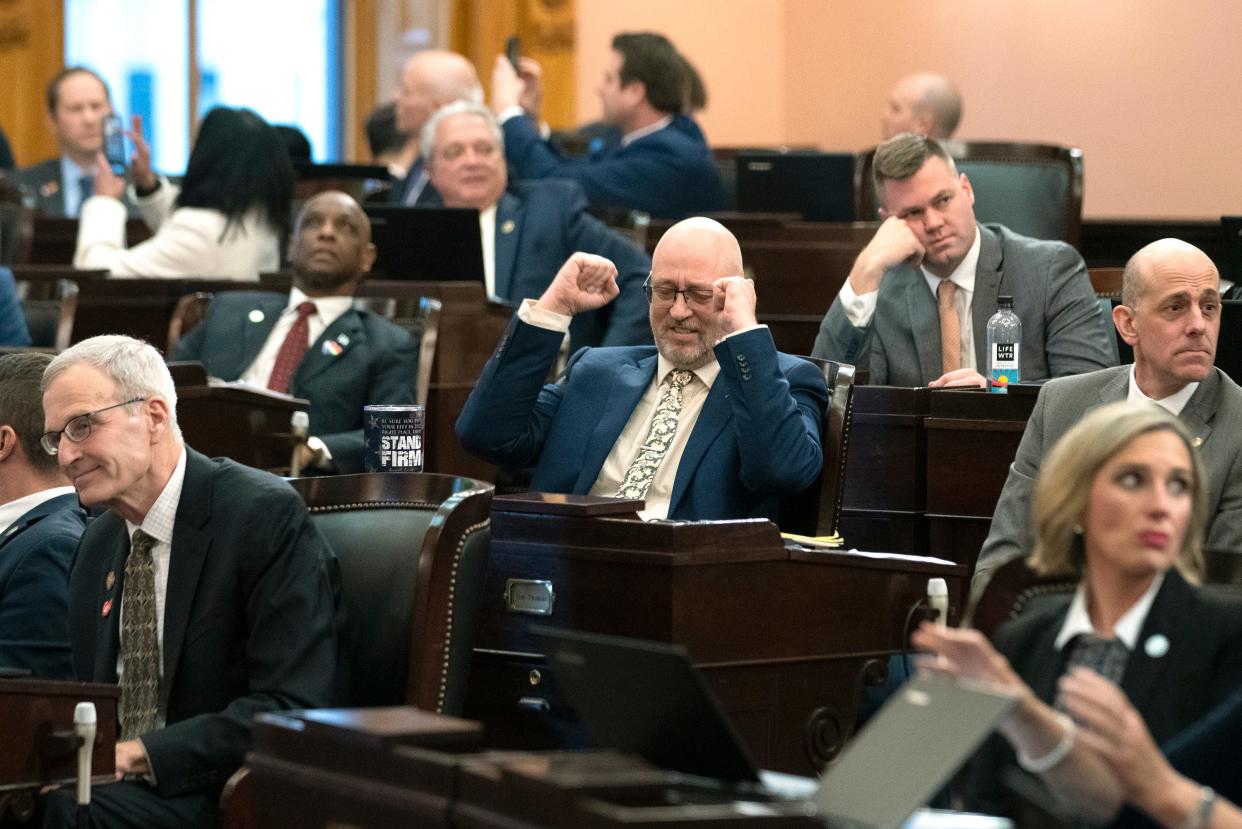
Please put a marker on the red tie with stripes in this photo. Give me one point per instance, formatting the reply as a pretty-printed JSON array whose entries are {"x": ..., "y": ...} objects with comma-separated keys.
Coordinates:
[{"x": 292, "y": 350}]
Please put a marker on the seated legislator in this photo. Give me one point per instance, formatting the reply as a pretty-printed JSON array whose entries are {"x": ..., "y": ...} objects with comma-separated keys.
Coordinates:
[
  {"x": 917, "y": 302},
  {"x": 924, "y": 103},
  {"x": 531, "y": 228},
  {"x": 40, "y": 523},
  {"x": 78, "y": 101},
  {"x": 313, "y": 343},
  {"x": 205, "y": 590},
  {"x": 227, "y": 219},
  {"x": 1120, "y": 504},
  {"x": 13, "y": 331},
  {"x": 712, "y": 422},
  {"x": 662, "y": 164},
  {"x": 1170, "y": 315}
]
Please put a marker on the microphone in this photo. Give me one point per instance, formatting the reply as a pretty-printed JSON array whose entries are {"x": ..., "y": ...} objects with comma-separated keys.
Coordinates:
[
  {"x": 299, "y": 426},
  {"x": 938, "y": 599},
  {"x": 84, "y": 727}
]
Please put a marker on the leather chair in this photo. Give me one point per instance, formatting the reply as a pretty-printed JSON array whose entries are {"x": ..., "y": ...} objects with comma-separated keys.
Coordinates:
[
  {"x": 50, "y": 307},
  {"x": 1106, "y": 282},
  {"x": 420, "y": 315},
  {"x": 817, "y": 510},
  {"x": 412, "y": 550},
  {"x": 1033, "y": 189},
  {"x": 1012, "y": 586},
  {"x": 188, "y": 312}
]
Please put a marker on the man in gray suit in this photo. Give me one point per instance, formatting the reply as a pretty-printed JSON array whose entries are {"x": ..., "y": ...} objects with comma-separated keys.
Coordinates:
[
  {"x": 932, "y": 268},
  {"x": 1170, "y": 314}
]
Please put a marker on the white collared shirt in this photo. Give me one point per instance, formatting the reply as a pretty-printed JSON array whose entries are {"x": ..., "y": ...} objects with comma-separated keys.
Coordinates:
[
  {"x": 328, "y": 309},
  {"x": 860, "y": 308},
  {"x": 1173, "y": 404},
  {"x": 15, "y": 509},
  {"x": 487, "y": 233},
  {"x": 158, "y": 523},
  {"x": 1078, "y": 621},
  {"x": 643, "y": 132}
]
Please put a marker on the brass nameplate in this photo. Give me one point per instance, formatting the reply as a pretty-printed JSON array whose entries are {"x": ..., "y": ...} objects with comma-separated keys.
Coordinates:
[{"x": 530, "y": 596}]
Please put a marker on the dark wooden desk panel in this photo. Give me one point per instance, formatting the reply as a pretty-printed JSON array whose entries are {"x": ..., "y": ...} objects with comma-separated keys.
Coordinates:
[
  {"x": 1111, "y": 242},
  {"x": 56, "y": 239},
  {"x": 251, "y": 426}
]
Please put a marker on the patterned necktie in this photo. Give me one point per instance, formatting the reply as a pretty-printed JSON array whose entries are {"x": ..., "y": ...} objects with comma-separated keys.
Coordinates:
[
  {"x": 292, "y": 350},
  {"x": 140, "y": 644},
  {"x": 638, "y": 477},
  {"x": 950, "y": 328}
]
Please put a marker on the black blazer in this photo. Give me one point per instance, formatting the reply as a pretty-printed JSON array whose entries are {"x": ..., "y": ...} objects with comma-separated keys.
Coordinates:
[
  {"x": 1202, "y": 667},
  {"x": 249, "y": 619}
]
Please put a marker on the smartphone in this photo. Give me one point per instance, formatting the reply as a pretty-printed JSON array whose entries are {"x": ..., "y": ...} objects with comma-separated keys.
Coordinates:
[
  {"x": 114, "y": 144},
  {"x": 513, "y": 51}
]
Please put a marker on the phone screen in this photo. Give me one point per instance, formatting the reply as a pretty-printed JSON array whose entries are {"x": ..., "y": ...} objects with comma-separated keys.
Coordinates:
[
  {"x": 114, "y": 144},
  {"x": 513, "y": 51}
]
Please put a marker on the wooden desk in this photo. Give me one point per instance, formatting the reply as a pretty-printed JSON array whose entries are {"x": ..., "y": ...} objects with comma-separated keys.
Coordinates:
[
  {"x": 784, "y": 637},
  {"x": 32, "y": 713},
  {"x": 56, "y": 239},
  {"x": 251, "y": 426}
]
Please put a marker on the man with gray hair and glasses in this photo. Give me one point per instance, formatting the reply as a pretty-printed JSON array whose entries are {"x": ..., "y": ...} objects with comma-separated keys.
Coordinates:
[{"x": 205, "y": 591}]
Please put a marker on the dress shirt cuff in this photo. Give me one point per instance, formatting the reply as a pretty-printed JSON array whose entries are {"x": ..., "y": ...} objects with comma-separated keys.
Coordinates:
[
  {"x": 531, "y": 314},
  {"x": 507, "y": 113},
  {"x": 859, "y": 309},
  {"x": 323, "y": 455},
  {"x": 754, "y": 327}
]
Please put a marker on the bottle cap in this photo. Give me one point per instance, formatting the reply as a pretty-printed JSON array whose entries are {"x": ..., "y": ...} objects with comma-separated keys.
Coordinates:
[{"x": 1004, "y": 301}]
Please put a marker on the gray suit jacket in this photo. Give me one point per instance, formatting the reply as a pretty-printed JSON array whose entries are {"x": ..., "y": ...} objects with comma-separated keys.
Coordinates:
[
  {"x": 1063, "y": 331},
  {"x": 44, "y": 183},
  {"x": 1213, "y": 415}
]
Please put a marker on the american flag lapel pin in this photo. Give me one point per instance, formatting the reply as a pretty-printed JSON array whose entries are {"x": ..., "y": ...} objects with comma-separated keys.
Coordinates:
[{"x": 107, "y": 607}]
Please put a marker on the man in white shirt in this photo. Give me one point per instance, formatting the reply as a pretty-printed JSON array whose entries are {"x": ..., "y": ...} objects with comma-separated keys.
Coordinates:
[
  {"x": 1170, "y": 315},
  {"x": 915, "y": 308},
  {"x": 712, "y": 422},
  {"x": 313, "y": 343},
  {"x": 40, "y": 523},
  {"x": 529, "y": 229}
]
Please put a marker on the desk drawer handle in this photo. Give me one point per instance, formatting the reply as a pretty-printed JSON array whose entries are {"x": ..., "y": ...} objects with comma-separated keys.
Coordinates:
[{"x": 534, "y": 705}]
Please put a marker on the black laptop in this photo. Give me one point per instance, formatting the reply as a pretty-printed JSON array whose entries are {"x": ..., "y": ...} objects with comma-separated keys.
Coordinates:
[
  {"x": 819, "y": 186},
  {"x": 647, "y": 698},
  {"x": 426, "y": 244}
]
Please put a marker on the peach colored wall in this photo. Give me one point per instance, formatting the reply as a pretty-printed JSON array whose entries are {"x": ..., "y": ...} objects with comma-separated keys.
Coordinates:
[{"x": 1137, "y": 84}]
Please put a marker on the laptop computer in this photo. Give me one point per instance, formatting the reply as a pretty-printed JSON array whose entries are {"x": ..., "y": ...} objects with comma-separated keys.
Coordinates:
[
  {"x": 1228, "y": 343},
  {"x": 819, "y": 186},
  {"x": 426, "y": 244},
  {"x": 647, "y": 698}
]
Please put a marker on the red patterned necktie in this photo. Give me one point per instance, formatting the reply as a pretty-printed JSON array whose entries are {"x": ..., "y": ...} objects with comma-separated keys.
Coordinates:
[{"x": 291, "y": 350}]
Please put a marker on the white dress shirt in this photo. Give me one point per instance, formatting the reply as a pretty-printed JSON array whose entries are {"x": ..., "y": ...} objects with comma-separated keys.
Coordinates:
[
  {"x": 487, "y": 233},
  {"x": 15, "y": 509},
  {"x": 1173, "y": 404},
  {"x": 1078, "y": 621},
  {"x": 643, "y": 132},
  {"x": 860, "y": 308},
  {"x": 328, "y": 309}
]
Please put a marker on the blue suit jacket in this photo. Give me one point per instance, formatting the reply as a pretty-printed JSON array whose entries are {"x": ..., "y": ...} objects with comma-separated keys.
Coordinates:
[
  {"x": 756, "y": 438},
  {"x": 378, "y": 363},
  {"x": 539, "y": 224},
  {"x": 12, "y": 320},
  {"x": 669, "y": 173},
  {"x": 35, "y": 554}
]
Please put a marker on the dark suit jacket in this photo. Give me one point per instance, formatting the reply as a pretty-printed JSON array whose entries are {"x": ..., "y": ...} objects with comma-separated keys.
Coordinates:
[
  {"x": 378, "y": 364},
  {"x": 35, "y": 553},
  {"x": 12, "y": 320},
  {"x": 539, "y": 224},
  {"x": 669, "y": 173},
  {"x": 249, "y": 619},
  {"x": 1063, "y": 331},
  {"x": 1202, "y": 667},
  {"x": 43, "y": 181},
  {"x": 427, "y": 196},
  {"x": 756, "y": 438}
]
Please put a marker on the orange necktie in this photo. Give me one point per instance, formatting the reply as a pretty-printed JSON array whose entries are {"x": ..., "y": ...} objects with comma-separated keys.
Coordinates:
[{"x": 950, "y": 328}]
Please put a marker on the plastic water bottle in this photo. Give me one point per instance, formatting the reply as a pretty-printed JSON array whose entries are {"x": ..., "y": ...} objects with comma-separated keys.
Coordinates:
[{"x": 1004, "y": 344}]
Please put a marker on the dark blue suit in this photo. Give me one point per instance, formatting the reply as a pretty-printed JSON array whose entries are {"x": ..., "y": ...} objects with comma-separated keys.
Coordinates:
[
  {"x": 669, "y": 173},
  {"x": 35, "y": 554},
  {"x": 12, "y": 320},
  {"x": 756, "y": 438},
  {"x": 539, "y": 224},
  {"x": 377, "y": 364}
]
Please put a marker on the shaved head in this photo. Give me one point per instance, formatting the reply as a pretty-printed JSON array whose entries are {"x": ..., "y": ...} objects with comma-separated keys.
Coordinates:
[
  {"x": 706, "y": 243},
  {"x": 1171, "y": 255},
  {"x": 430, "y": 80},
  {"x": 925, "y": 103}
]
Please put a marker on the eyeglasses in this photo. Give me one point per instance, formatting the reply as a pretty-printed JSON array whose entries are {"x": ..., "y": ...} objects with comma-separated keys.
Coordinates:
[
  {"x": 665, "y": 293},
  {"x": 79, "y": 428}
]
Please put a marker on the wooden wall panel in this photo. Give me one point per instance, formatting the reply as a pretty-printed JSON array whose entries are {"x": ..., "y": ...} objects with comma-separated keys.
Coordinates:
[{"x": 32, "y": 50}]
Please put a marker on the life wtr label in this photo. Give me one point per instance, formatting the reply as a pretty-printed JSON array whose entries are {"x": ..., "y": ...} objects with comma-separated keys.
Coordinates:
[{"x": 1004, "y": 366}]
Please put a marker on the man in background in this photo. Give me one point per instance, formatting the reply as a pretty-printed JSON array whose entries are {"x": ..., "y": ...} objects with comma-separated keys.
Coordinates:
[{"x": 924, "y": 103}]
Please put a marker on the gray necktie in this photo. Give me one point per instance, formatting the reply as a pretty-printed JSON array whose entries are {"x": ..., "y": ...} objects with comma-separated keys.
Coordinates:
[
  {"x": 140, "y": 644},
  {"x": 86, "y": 187},
  {"x": 638, "y": 477}
]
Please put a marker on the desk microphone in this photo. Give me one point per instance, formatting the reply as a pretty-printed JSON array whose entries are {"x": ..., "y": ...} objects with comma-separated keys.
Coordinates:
[
  {"x": 299, "y": 426},
  {"x": 938, "y": 599},
  {"x": 84, "y": 727}
]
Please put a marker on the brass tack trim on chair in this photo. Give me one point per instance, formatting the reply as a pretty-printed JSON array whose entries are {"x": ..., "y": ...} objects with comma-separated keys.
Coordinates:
[
  {"x": 448, "y": 629},
  {"x": 376, "y": 505}
]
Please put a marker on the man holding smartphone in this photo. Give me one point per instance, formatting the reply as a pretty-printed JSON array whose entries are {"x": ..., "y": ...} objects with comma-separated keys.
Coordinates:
[{"x": 78, "y": 103}]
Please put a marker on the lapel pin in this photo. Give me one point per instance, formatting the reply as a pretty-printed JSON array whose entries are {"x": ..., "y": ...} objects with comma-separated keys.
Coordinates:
[
  {"x": 332, "y": 348},
  {"x": 256, "y": 315},
  {"x": 343, "y": 339},
  {"x": 110, "y": 580},
  {"x": 107, "y": 607},
  {"x": 1156, "y": 646},
  {"x": 507, "y": 226},
  {"x": 49, "y": 189},
  {"x": 1196, "y": 441}
]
